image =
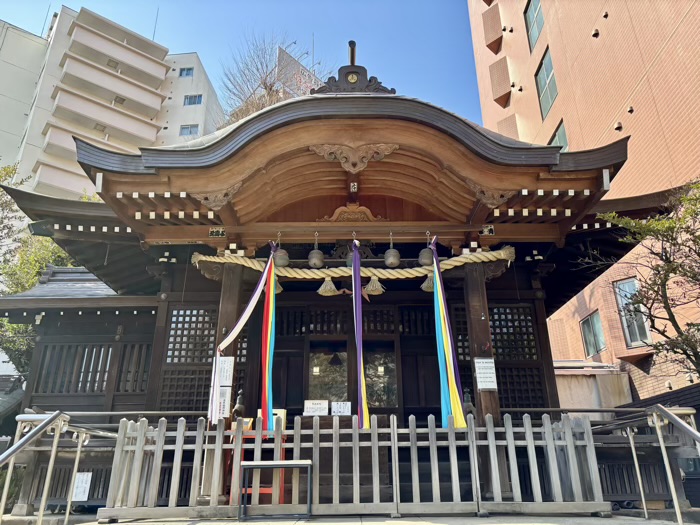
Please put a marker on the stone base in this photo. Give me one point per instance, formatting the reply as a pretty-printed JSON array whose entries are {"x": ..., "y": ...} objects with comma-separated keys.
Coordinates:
[{"x": 22, "y": 509}]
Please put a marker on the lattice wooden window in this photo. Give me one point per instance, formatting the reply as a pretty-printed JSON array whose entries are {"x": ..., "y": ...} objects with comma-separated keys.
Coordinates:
[
  {"x": 291, "y": 322},
  {"x": 183, "y": 389},
  {"x": 329, "y": 322},
  {"x": 378, "y": 321},
  {"x": 73, "y": 368},
  {"x": 191, "y": 335},
  {"x": 520, "y": 386},
  {"x": 417, "y": 320},
  {"x": 134, "y": 367},
  {"x": 513, "y": 332},
  {"x": 460, "y": 331}
]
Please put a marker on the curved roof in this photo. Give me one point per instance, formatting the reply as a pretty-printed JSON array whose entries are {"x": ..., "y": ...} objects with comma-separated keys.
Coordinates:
[{"x": 221, "y": 145}]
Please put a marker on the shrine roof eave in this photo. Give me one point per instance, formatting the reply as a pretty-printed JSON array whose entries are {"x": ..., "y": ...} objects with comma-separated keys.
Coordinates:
[
  {"x": 64, "y": 288},
  {"x": 219, "y": 146},
  {"x": 37, "y": 206},
  {"x": 86, "y": 231}
]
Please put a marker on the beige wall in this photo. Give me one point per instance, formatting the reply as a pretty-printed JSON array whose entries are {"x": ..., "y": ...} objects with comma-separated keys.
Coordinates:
[
  {"x": 100, "y": 82},
  {"x": 209, "y": 115},
  {"x": 21, "y": 57},
  {"x": 645, "y": 57},
  {"x": 592, "y": 389}
]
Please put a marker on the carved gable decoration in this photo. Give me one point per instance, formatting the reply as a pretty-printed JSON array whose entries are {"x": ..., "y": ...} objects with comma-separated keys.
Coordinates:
[
  {"x": 353, "y": 79},
  {"x": 353, "y": 212},
  {"x": 492, "y": 198},
  {"x": 353, "y": 160},
  {"x": 216, "y": 200}
]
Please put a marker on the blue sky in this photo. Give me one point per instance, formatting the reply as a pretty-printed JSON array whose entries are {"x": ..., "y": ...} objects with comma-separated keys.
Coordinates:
[{"x": 420, "y": 47}]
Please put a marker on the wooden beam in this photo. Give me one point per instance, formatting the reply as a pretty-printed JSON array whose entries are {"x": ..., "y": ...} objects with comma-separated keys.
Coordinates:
[
  {"x": 327, "y": 230},
  {"x": 10, "y": 303}
]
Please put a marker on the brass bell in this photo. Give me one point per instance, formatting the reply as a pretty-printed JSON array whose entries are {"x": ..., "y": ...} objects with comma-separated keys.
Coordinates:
[
  {"x": 316, "y": 258},
  {"x": 281, "y": 258},
  {"x": 425, "y": 257},
  {"x": 316, "y": 255},
  {"x": 392, "y": 258}
]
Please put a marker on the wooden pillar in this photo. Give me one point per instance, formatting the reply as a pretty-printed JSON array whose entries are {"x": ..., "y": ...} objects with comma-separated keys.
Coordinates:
[
  {"x": 545, "y": 348},
  {"x": 479, "y": 329},
  {"x": 480, "y": 346},
  {"x": 229, "y": 304},
  {"x": 160, "y": 343},
  {"x": 228, "y": 312}
]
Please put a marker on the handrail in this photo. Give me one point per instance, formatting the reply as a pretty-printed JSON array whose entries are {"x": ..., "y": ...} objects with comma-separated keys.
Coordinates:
[
  {"x": 32, "y": 435},
  {"x": 681, "y": 425},
  {"x": 138, "y": 413}
]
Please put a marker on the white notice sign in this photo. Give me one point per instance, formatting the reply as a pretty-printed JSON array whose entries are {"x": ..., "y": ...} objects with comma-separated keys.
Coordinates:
[
  {"x": 341, "y": 408},
  {"x": 81, "y": 489},
  {"x": 224, "y": 409},
  {"x": 316, "y": 407},
  {"x": 226, "y": 371},
  {"x": 485, "y": 370}
]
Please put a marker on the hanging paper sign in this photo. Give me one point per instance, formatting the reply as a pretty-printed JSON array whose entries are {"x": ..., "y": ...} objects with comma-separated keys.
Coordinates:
[
  {"x": 224, "y": 408},
  {"x": 316, "y": 407},
  {"x": 485, "y": 370},
  {"x": 226, "y": 370},
  {"x": 81, "y": 489},
  {"x": 341, "y": 408}
]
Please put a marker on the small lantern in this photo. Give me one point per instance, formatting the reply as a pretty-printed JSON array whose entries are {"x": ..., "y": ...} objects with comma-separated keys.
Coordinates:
[
  {"x": 392, "y": 257},
  {"x": 316, "y": 255}
]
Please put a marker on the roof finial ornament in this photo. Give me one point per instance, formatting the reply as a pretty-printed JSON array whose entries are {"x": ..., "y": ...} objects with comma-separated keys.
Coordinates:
[
  {"x": 352, "y": 52},
  {"x": 353, "y": 79}
]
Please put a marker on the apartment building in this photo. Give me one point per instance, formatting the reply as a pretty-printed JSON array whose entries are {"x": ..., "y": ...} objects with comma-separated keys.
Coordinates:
[
  {"x": 94, "y": 79},
  {"x": 580, "y": 74}
]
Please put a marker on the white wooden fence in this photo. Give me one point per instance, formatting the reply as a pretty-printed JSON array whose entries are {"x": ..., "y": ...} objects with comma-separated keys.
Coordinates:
[{"x": 515, "y": 468}]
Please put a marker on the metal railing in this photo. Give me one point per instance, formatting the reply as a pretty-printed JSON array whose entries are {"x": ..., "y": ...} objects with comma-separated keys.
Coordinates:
[
  {"x": 656, "y": 417},
  {"x": 45, "y": 423},
  {"x": 34, "y": 426}
]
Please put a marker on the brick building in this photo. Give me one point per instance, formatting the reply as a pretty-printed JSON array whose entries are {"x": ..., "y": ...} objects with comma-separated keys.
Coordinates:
[{"x": 580, "y": 75}]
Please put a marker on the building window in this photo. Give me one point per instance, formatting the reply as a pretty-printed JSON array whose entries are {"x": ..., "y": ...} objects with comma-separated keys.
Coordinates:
[
  {"x": 534, "y": 20},
  {"x": 592, "y": 331},
  {"x": 193, "y": 100},
  {"x": 559, "y": 138},
  {"x": 546, "y": 84},
  {"x": 189, "y": 129},
  {"x": 634, "y": 322},
  {"x": 186, "y": 71}
]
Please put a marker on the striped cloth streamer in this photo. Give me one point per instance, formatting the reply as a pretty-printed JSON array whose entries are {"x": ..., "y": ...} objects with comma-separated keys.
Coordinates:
[
  {"x": 268, "y": 348},
  {"x": 362, "y": 408},
  {"x": 450, "y": 385},
  {"x": 214, "y": 386}
]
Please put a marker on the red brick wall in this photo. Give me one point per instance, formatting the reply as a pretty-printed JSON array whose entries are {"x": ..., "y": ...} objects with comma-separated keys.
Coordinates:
[{"x": 646, "y": 56}]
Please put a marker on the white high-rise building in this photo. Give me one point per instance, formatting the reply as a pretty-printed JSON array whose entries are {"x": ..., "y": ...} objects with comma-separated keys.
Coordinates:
[{"x": 96, "y": 80}]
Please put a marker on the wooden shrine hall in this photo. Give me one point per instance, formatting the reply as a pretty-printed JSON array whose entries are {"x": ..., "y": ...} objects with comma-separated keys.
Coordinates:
[
  {"x": 174, "y": 251},
  {"x": 352, "y": 160}
]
